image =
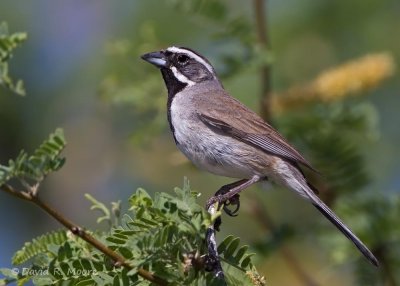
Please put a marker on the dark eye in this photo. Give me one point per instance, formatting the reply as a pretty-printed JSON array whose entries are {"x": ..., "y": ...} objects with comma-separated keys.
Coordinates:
[{"x": 182, "y": 59}]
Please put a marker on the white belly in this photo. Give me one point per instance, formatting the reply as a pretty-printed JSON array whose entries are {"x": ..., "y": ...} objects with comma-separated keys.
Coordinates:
[{"x": 221, "y": 155}]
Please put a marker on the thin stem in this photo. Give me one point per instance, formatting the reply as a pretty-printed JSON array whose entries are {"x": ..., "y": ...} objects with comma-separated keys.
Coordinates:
[
  {"x": 80, "y": 232},
  {"x": 265, "y": 69},
  {"x": 213, "y": 258}
]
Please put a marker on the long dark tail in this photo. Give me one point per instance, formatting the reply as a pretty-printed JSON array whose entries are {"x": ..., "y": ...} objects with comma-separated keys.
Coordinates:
[{"x": 332, "y": 217}]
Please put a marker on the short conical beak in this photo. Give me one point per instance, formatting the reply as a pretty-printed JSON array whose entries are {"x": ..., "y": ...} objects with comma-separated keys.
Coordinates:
[{"x": 156, "y": 58}]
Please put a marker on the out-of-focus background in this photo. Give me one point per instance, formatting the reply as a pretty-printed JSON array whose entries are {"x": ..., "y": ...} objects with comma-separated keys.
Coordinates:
[{"x": 333, "y": 67}]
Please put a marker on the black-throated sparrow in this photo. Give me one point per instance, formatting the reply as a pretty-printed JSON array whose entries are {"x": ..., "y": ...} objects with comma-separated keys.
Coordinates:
[{"x": 221, "y": 135}]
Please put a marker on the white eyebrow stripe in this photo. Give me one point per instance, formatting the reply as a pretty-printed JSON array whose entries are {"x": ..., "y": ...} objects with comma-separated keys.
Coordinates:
[{"x": 192, "y": 55}]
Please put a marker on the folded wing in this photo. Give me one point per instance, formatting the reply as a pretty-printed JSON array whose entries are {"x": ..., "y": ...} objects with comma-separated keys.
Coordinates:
[{"x": 245, "y": 125}]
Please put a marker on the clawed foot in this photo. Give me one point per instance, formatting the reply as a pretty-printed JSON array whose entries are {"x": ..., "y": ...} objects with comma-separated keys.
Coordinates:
[
  {"x": 223, "y": 199},
  {"x": 233, "y": 201},
  {"x": 225, "y": 203}
]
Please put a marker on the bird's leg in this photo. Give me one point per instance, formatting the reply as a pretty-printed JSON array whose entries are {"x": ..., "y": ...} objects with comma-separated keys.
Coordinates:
[
  {"x": 234, "y": 200},
  {"x": 224, "y": 194},
  {"x": 229, "y": 194}
]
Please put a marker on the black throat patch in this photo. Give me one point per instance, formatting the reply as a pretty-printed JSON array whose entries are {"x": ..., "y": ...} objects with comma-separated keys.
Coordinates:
[{"x": 173, "y": 86}]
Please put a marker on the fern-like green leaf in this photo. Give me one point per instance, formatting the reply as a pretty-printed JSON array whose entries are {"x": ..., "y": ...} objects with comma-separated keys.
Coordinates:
[
  {"x": 164, "y": 235},
  {"x": 234, "y": 254},
  {"x": 38, "y": 245},
  {"x": 225, "y": 243},
  {"x": 7, "y": 45},
  {"x": 45, "y": 159},
  {"x": 99, "y": 206}
]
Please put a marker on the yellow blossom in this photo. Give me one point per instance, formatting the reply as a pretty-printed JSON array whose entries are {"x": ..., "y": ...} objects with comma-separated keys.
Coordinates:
[{"x": 353, "y": 77}]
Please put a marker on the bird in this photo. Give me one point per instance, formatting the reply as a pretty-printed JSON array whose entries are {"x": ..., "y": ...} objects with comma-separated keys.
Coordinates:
[{"x": 219, "y": 134}]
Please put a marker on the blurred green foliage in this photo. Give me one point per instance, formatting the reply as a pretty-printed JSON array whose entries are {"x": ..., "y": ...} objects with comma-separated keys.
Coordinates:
[
  {"x": 8, "y": 42},
  {"x": 378, "y": 215},
  {"x": 331, "y": 135}
]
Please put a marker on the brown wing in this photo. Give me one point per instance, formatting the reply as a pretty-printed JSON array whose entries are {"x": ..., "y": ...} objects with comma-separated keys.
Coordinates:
[{"x": 222, "y": 112}]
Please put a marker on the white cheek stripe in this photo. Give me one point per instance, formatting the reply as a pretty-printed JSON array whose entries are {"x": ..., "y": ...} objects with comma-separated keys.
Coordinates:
[
  {"x": 192, "y": 55},
  {"x": 181, "y": 77}
]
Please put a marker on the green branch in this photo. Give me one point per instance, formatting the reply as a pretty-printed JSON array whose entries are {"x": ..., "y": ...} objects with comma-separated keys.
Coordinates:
[{"x": 31, "y": 196}]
